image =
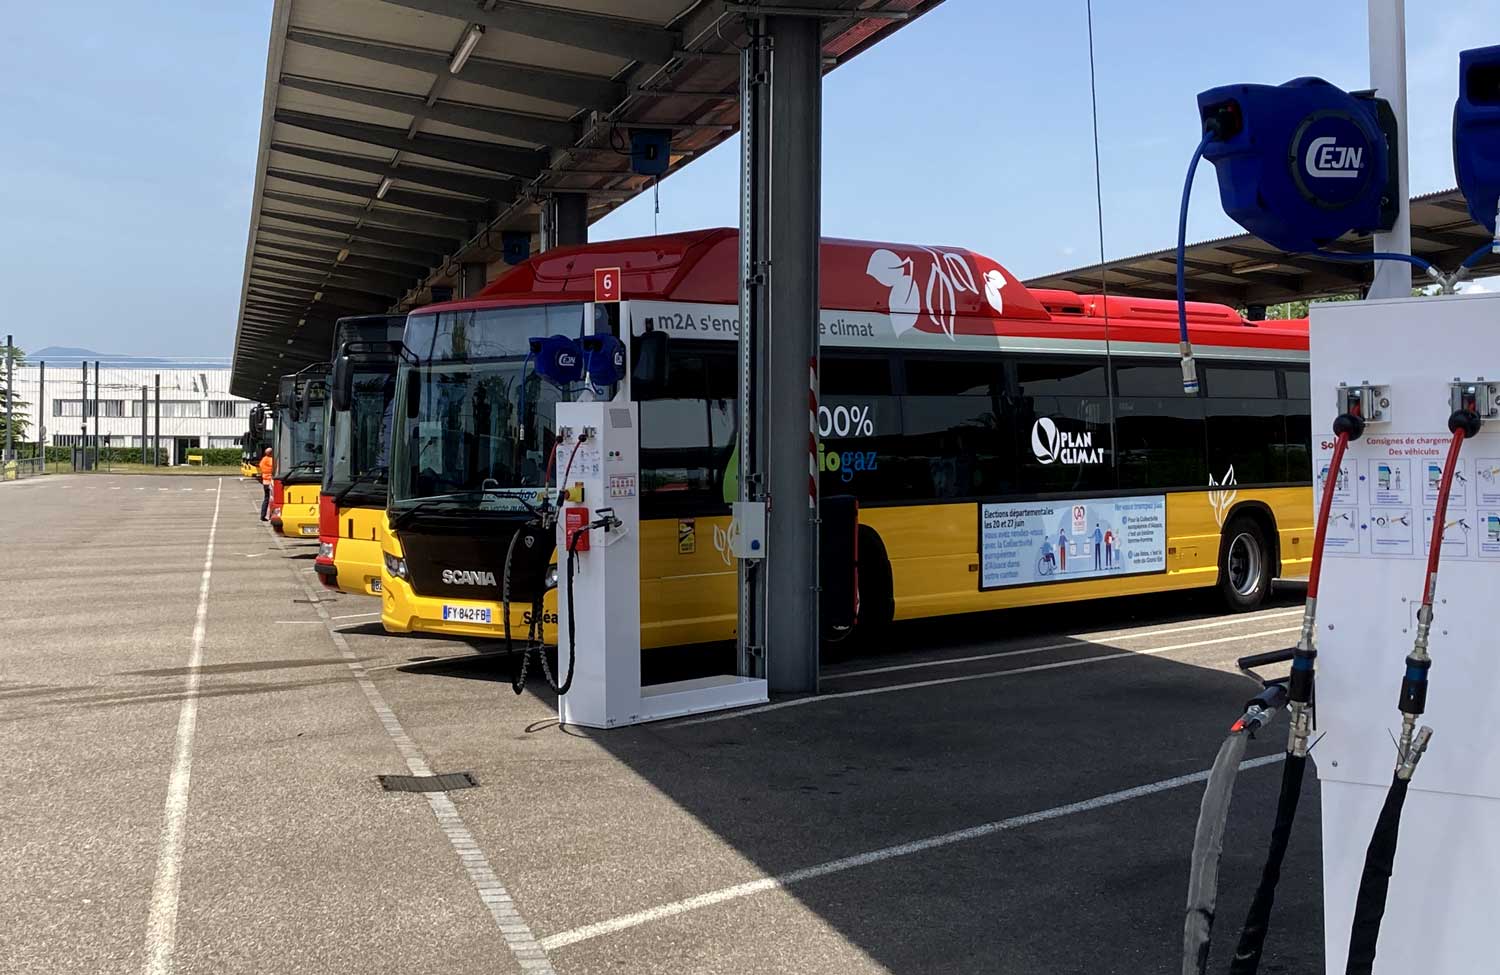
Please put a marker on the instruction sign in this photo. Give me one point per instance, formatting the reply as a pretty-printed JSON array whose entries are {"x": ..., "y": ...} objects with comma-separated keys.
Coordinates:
[{"x": 1026, "y": 542}]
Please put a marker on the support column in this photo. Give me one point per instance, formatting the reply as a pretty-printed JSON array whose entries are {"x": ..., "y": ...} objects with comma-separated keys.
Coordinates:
[
  {"x": 471, "y": 280},
  {"x": 1388, "y": 78},
  {"x": 83, "y": 441},
  {"x": 143, "y": 424},
  {"x": 10, "y": 398},
  {"x": 565, "y": 220},
  {"x": 780, "y": 312},
  {"x": 41, "y": 412},
  {"x": 156, "y": 438}
]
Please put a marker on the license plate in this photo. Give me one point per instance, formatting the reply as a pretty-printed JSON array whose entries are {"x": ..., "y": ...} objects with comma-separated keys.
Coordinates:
[
  {"x": 466, "y": 614},
  {"x": 309, "y": 529},
  {"x": 374, "y": 585}
]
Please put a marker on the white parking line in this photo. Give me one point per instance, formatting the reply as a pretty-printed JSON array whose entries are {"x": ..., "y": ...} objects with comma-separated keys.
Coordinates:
[
  {"x": 161, "y": 923},
  {"x": 523, "y": 945},
  {"x": 988, "y": 675},
  {"x": 614, "y": 925},
  {"x": 353, "y": 616},
  {"x": 1085, "y": 639}
]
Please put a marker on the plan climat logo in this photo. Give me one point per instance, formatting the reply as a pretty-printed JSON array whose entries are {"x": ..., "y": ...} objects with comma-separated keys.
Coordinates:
[{"x": 1051, "y": 445}]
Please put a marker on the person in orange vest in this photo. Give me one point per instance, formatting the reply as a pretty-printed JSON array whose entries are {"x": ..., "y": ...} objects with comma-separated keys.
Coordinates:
[{"x": 267, "y": 468}]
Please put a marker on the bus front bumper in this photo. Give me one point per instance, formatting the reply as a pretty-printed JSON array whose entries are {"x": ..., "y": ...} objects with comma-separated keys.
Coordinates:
[
  {"x": 403, "y": 611},
  {"x": 355, "y": 566}
]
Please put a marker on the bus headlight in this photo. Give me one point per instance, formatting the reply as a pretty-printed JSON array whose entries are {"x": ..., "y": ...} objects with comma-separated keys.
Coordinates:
[
  {"x": 550, "y": 579},
  {"x": 395, "y": 566}
]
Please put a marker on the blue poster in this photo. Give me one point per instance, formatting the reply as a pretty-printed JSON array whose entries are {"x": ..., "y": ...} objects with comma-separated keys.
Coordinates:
[{"x": 1026, "y": 542}]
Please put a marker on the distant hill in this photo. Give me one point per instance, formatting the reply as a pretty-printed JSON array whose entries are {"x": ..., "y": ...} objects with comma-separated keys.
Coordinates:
[{"x": 68, "y": 355}]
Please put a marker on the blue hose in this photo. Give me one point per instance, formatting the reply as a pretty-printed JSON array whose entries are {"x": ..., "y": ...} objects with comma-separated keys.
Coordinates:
[
  {"x": 1189, "y": 370},
  {"x": 1473, "y": 259},
  {"x": 1415, "y": 262}
]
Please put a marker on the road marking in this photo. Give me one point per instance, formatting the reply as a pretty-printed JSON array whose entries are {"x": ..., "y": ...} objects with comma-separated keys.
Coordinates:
[
  {"x": 161, "y": 923},
  {"x": 523, "y": 945},
  {"x": 615, "y": 925},
  {"x": 1086, "y": 639},
  {"x": 988, "y": 675},
  {"x": 353, "y": 616}
]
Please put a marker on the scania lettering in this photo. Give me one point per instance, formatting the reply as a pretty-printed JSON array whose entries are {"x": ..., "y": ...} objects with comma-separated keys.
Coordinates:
[
  {"x": 1001, "y": 452},
  {"x": 468, "y": 577},
  {"x": 356, "y": 482},
  {"x": 298, "y": 478}
]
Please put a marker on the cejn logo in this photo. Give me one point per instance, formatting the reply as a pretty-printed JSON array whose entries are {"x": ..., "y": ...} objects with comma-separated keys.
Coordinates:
[
  {"x": 567, "y": 360},
  {"x": 1051, "y": 445},
  {"x": 1325, "y": 157},
  {"x": 468, "y": 577}
]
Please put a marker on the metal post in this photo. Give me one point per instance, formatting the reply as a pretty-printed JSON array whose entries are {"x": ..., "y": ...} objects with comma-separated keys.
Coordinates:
[
  {"x": 794, "y": 231},
  {"x": 471, "y": 280},
  {"x": 98, "y": 417},
  {"x": 571, "y": 219},
  {"x": 41, "y": 413},
  {"x": 755, "y": 113},
  {"x": 83, "y": 441},
  {"x": 143, "y": 424},
  {"x": 10, "y": 397},
  {"x": 156, "y": 439},
  {"x": 1388, "y": 78}
]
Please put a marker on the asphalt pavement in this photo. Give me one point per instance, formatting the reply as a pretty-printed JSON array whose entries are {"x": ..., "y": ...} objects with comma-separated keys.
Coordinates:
[{"x": 191, "y": 731}]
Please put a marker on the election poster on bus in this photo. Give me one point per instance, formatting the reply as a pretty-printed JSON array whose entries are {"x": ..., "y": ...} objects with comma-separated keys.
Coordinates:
[{"x": 1026, "y": 542}]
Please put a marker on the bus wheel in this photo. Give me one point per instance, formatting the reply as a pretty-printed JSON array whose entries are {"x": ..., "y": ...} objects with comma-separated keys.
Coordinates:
[
  {"x": 1244, "y": 564},
  {"x": 877, "y": 603}
]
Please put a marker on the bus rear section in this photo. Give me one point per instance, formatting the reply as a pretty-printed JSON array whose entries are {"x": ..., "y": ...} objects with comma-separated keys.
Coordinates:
[
  {"x": 351, "y": 509},
  {"x": 298, "y": 476}
]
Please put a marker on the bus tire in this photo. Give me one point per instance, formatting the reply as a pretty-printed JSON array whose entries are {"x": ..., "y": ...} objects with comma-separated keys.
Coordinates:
[
  {"x": 877, "y": 602},
  {"x": 1244, "y": 564}
]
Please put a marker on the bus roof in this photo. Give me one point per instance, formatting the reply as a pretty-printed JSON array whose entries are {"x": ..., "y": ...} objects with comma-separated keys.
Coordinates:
[{"x": 936, "y": 288}]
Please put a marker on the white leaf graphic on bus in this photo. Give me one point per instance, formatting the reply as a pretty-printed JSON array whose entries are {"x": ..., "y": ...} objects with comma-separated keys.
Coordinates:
[
  {"x": 948, "y": 276},
  {"x": 1221, "y": 500},
  {"x": 721, "y": 544},
  {"x": 994, "y": 283}
]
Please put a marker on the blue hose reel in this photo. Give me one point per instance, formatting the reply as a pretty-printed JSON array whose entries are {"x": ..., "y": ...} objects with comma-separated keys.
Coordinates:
[
  {"x": 1476, "y": 133},
  {"x": 1302, "y": 163}
]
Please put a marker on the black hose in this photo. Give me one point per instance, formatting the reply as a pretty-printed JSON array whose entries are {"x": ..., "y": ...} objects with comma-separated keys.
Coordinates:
[
  {"x": 1257, "y": 922},
  {"x": 1208, "y": 847},
  {"x": 1375, "y": 881},
  {"x": 572, "y": 629}
]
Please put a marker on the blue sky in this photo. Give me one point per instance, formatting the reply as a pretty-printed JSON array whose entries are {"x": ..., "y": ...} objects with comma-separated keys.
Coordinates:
[{"x": 131, "y": 132}]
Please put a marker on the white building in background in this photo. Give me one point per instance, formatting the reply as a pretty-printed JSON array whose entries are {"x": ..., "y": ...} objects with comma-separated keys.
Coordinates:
[{"x": 196, "y": 411}]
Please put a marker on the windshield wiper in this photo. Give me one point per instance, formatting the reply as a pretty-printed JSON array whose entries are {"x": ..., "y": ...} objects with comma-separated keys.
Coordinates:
[
  {"x": 373, "y": 477},
  {"x": 422, "y": 504}
]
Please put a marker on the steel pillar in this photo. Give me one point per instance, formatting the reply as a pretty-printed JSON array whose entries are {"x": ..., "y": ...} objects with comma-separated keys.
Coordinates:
[
  {"x": 143, "y": 424},
  {"x": 565, "y": 220},
  {"x": 10, "y": 397},
  {"x": 156, "y": 437},
  {"x": 1388, "y": 78},
  {"x": 471, "y": 280},
  {"x": 781, "y": 124}
]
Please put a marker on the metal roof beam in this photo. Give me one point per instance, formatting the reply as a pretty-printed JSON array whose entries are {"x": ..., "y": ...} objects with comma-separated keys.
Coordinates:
[
  {"x": 387, "y": 284},
  {"x": 484, "y": 187},
  {"x": 432, "y": 226},
  {"x": 326, "y": 257},
  {"x": 536, "y": 129},
  {"x": 361, "y": 247},
  {"x": 510, "y": 160},
  {"x": 1452, "y": 237},
  {"x": 436, "y": 246},
  {"x": 381, "y": 287},
  {"x": 562, "y": 87},
  {"x": 329, "y": 290},
  {"x": 628, "y": 39},
  {"x": 442, "y": 206}
]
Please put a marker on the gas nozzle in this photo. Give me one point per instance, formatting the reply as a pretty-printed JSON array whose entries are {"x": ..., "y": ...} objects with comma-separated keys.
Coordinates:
[
  {"x": 1189, "y": 370},
  {"x": 1261, "y": 708}
]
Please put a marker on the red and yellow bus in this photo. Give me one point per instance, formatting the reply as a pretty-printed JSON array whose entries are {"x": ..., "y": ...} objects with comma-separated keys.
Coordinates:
[{"x": 1007, "y": 447}]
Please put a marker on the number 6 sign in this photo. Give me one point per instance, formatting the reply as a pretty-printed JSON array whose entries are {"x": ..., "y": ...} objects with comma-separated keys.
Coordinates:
[{"x": 606, "y": 284}]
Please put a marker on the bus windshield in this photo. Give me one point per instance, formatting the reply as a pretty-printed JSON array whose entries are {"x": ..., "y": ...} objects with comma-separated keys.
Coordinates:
[
  {"x": 483, "y": 429},
  {"x": 358, "y": 453},
  {"x": 299, "y": 442}
]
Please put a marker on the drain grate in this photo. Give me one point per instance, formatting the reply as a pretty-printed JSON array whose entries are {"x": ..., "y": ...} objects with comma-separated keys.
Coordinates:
[{"x": 446, "y": 782}]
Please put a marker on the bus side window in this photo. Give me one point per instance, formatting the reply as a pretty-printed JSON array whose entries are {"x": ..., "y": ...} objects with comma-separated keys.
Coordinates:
[
  {"x": 688, "y": 433},
  {"x": 1246, "y": 423},
  {"x": 1062, "y": 424},
  {"x": 956, "y": 438},
  {"x": 1159, "y": 428},
  {"x": 1298, "y": 423},
  {"x": 859, "y": 426}
]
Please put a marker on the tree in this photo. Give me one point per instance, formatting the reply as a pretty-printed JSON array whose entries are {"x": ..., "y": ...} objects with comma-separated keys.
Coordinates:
[{"x": 20, "y": 405}]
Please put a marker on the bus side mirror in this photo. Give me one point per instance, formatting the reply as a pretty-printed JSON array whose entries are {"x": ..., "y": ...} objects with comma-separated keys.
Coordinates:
[
  {"x": 413, "y": 393},
  {"x": 649, "y": 375},
  {"x": 342, "y": 383}
]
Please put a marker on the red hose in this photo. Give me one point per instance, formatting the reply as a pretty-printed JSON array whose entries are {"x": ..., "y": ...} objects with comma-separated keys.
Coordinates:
[
  {"x": 1440, "y": 514},
  {"x": 1325, "y": 505}
]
